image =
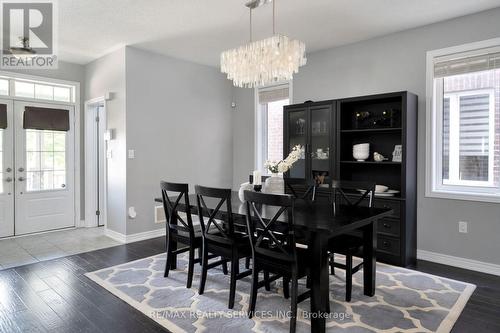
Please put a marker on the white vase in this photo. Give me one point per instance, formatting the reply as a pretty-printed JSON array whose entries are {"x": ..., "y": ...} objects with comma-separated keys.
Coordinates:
[
  {"x": 244, "y": 187},
  {"x": 275, "y": 184}
]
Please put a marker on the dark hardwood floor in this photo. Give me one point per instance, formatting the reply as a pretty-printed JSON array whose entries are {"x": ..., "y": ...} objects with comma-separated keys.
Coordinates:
[{"x": 55, "y": 296}]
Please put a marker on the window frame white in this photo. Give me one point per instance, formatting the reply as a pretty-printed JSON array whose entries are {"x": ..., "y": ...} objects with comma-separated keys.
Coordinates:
[
  {"x": 260, "y": 120},
  {"x": 433, "y": 172}
]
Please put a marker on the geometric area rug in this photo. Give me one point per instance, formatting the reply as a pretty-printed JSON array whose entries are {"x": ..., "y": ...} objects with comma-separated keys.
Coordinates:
[{"x": 405, "y": 300}]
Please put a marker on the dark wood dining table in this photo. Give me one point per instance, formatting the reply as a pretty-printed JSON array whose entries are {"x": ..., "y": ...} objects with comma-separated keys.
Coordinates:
[{"x": 316, "y": 221}]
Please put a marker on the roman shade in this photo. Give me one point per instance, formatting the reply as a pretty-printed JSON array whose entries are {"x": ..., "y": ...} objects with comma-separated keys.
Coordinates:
[
  {"x": 3, "y": 116},
  {"x": 466, "y": 64},
  {"x": 273, "y": 95},
  {"x": 46, "y": 119}
]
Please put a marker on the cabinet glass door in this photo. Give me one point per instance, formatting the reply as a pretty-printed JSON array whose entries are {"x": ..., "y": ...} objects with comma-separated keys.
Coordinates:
[
  {"x": 320, "y": 143},
  {"x": 297, "y": 135}
]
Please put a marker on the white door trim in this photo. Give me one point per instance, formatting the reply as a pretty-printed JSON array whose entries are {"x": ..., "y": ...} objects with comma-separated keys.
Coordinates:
[{"x": 90, "y": 162}]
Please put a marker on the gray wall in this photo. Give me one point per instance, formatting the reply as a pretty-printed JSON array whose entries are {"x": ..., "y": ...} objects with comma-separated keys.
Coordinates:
[
  {"x": 179, "y": 124},
  {"x": 392, "y": 63},
  {"x": 107, "y": 74},
  {"x": 243, "y": 125},
  {"x": 69, "y": 72}
]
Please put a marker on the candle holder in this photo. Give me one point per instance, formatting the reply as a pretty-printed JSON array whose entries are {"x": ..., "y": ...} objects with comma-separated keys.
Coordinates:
[{"x": 257, "y": 188}]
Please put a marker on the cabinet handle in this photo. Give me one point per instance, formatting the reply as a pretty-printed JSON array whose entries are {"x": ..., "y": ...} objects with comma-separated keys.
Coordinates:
[
  {"x": 386, "y": 225},
  {"x": 386, "y": 244}
]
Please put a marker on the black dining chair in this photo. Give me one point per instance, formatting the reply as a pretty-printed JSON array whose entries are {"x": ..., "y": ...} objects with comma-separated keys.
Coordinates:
[
  {"x": 348, "y": 245},
  {"x": 220, "y": 237},
  {"x": 301, "y": 188},
  {"x": 180, "y": 230},
  {"x": 274, "y": 248}
]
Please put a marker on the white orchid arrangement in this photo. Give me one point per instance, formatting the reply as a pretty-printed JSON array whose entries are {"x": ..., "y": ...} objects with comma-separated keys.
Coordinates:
[{"x": 284, "y": 165}]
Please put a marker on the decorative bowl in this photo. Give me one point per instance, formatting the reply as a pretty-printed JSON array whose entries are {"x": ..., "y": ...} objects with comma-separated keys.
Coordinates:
[
  {"x": 360, "y": 156},
  {"x": 381, "y": 188}
]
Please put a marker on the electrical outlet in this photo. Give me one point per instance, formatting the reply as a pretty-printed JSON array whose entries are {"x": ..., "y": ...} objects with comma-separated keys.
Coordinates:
[{"x": 463, "y": 227}]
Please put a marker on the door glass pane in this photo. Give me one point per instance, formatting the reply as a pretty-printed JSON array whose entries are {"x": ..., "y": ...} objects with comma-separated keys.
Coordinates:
[
  {"x": 297, "y": 136},
  {"x": 4, "y": 87},
  {"x": 45, "y": 160},
  {"x": 320, "y": 143},
  {"x": 24, "y": 89},
  {"x": 1, "y": 161}
]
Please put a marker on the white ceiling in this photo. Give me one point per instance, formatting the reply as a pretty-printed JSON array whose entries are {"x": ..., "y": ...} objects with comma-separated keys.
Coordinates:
[{"x": 198, "y": 30}]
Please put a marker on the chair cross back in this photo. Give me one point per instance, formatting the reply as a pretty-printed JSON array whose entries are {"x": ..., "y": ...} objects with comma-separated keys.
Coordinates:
[
  {"x": 171, "y": 206},
  {"x": 223, "y": 233},
  {"x": 272, "y": 238},
  {"x": 367, "y": 190},
  {"x": 311, "y": 187}
]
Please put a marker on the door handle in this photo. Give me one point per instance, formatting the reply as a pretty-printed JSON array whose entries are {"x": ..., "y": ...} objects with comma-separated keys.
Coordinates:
[
  {"x": 21, "y": 179},
  {"x": 8, "y": 179},
  {"x": 8, "y": 169},
  {"x": 21, "y": 169}
]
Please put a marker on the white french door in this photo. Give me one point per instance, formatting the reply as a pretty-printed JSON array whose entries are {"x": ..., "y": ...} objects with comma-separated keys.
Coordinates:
[
  {"x": 7, "y": 174},
  {"x": 43, "y": 174}
]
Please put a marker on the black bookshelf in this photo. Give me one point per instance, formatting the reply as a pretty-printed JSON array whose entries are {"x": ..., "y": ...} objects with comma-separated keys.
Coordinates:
[{"x": 383, "y": 120}]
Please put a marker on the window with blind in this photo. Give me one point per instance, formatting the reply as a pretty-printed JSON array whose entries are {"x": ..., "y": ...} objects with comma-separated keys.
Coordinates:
[
  {"x": 269, "y": 129},
  {"x": 463, "y": 140}
]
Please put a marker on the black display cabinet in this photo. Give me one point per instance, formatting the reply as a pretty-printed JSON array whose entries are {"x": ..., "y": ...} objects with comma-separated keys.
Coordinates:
[{"x": 384, "y": 121}]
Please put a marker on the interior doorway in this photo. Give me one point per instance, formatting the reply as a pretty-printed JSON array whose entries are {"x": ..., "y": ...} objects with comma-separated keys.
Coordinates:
[{"x": 95, "y": 162}]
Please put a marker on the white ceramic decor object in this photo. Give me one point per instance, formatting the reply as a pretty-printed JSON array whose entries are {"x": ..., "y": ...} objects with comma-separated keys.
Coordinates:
[
  {"x": 275, "y": 184},
  {"x": 241, "y": 192}
]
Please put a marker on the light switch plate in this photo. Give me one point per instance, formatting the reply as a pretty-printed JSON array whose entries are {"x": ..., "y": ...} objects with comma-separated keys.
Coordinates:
[
  {"x": 131, "y": 153},
  {"x": 463, "y": 227}
]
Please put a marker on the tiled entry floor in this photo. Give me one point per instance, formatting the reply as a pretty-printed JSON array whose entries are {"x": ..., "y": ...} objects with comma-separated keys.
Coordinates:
[{"x": 30, "y": 249}]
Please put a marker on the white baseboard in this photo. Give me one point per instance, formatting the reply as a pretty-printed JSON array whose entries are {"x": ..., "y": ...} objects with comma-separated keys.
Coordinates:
[
  {"x": 119, "y": 237},
  {"x": 145, "y": 235},
  {"x": 470, "y": 264},
  {"x": 134, "y": 237}
]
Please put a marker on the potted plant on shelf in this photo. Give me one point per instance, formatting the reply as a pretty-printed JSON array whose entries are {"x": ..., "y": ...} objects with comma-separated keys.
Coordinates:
[{"x": 275, "y": 184}]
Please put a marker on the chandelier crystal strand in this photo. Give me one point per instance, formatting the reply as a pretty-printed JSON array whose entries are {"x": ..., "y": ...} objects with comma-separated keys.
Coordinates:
[{"x": 271, "y": 60}]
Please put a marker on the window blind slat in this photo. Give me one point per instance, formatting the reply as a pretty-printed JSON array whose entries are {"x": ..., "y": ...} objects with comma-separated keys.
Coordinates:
[
  {"x": 466, "y": 65},
  {"x": 273, "y": 95}
]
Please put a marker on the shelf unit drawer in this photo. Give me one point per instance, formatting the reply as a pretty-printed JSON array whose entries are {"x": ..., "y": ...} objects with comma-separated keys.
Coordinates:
[
  {"x": 389, "y": 204},
  {"x": 389, "y": 226},
  {"x": 388, "y": 245}
]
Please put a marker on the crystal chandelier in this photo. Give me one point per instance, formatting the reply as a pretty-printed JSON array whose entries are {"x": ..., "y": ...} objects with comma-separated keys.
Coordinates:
[{"x": 260, "y": 63}]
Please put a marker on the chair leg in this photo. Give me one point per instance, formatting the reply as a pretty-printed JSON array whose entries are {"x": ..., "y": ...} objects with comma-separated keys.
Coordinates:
[
  {"x": 232, "y": 287},
  {"x": 286, "y": 287},
  {"x": 224, "y": 267},
  {"x": 267, "y": 284},
  {"x": 203, "y": 278},
  {"x": 332, "y": 264},
  {"x": 168, "y": 262},
  {"x": 293, "y": 303},
  {"x": 200, "y": 254},
  {"x": 247, "y": 263},
  {"x": 348, "y": 277},
  {"x": 190, "y": 268},
  {"x": 253, "y": 291}
]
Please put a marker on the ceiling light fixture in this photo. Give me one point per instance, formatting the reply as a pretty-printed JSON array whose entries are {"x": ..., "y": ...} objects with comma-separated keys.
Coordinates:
[{"x": 264, "y": 62}]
